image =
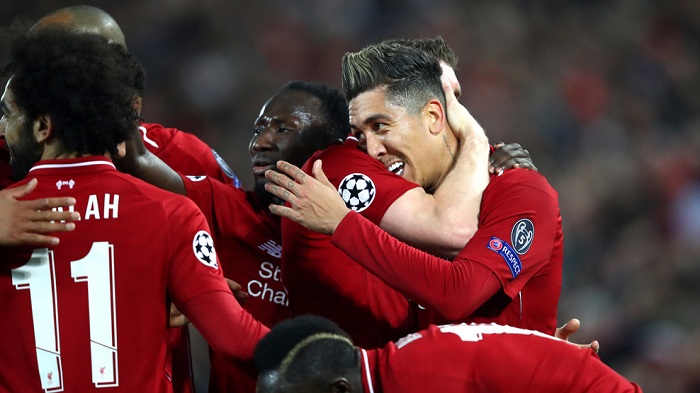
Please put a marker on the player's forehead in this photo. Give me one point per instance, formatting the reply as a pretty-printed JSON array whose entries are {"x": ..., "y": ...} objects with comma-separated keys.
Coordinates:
[
  {"x": 291, "y": 104},
  {"x": 370, "y": 106},
  {"x": 7, "y": 101}
]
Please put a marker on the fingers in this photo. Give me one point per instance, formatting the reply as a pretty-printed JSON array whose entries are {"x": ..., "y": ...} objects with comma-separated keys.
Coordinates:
[
  {"x": 23, "y": 190},
  {"x": 284, "y": 211},
  {"x": 237, "y": 291},
  {"x": 568, "y": 329},
  {"x": 292, "y": 170},
  {"x": 232, "y": 285},
  {"x": 320, "y": 175},
  {"x": 37, "y": 239},
  {"x": 499, "y": 166}
]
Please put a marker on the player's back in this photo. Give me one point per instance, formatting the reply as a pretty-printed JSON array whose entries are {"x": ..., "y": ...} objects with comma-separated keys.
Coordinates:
[{"x": 91, "y": 311}]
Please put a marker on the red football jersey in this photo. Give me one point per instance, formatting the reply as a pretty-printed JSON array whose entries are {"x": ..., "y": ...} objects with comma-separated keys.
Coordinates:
[
  {"x": 519, "y": 240},
  {"x": 321, "y": 279},
  {"x": 185, "y": 153},
  {"x": 92, "y": 312},
  {"x": 249, "y": 250},
  {"x": 5, "y": 168},
  {"x": 486, "y": 358}
]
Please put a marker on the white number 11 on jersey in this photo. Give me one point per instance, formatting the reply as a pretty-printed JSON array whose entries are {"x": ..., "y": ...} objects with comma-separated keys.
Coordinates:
[{"x": 97, "y": 269}]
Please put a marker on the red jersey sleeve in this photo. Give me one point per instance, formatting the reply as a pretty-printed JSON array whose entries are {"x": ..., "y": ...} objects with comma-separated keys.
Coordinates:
[
  {"x": 430, "y": 281},
  {"x": 519, "y": 228},
  {"x": 365, "y": 185},
  {"x": 194, "y": 269}
]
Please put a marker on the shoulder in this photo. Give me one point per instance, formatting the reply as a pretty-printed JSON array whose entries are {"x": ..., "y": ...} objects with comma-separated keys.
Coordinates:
[
  {"x": 170, "y": 202},
  {"x": 519, "y": 180}
]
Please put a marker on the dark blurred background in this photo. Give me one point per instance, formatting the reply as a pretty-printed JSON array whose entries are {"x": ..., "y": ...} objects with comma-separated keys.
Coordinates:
[{"x": 604, "y": 94}]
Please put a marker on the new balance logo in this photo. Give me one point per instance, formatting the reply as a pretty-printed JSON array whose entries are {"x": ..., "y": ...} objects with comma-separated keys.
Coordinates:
[{"x": 272, "y": 248}]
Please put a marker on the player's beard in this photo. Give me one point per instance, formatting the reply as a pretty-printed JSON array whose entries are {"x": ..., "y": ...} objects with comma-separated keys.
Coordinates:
[{"x": 24, "y": 153}]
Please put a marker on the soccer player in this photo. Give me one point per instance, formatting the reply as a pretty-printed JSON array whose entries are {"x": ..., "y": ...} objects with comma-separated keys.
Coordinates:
[
  {"x": 510, "y": 270},
  {"x": 312, "y": 355},
  {"x": 181, "y": 150},
  {"x": 322, "y": 280},
  {"x": 91, "y": 312},
  {"x": 300, "y": 119}
]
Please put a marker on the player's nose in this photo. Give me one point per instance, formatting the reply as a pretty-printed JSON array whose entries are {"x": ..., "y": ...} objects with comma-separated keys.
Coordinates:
[
  {"x": 262, "y": 141},
  {"x": 374, "y": 145}
]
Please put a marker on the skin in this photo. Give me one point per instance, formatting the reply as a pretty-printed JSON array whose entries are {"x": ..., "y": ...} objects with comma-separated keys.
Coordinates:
[
  {"x": 27, "y": 222},
  {"x": 23, "y": 147},
  {"x": 30, "y": 222},
  {"x": 287, "y": 128},
  {"x": 315, "y": 202}
]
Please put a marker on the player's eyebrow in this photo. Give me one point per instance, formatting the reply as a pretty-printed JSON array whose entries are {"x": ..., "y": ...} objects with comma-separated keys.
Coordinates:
[{"x": 373, "y": 119}]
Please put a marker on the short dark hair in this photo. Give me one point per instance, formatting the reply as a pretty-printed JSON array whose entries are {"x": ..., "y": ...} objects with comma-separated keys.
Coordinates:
[
  {"x": 410, "y": 76},
  {"x": 304, "y": 349},
  {"x": 436, "y": 46},
  {"x": 333, "y": 105},
  {"x": 82, "y": 82},
  {"x": 284, "y": 336}
]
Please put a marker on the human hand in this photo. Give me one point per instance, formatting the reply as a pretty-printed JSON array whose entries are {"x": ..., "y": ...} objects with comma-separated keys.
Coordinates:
[
  {"x": 510, "y": 156},
  {"x": 177, "y": 319},
  {"x": 237, "y": 291},
  {"x": 572, "y": 327},
  {"x": 462, "y": 123},
  {"x": 27, "y": 222},
  {"x": 315, "y": 203}
]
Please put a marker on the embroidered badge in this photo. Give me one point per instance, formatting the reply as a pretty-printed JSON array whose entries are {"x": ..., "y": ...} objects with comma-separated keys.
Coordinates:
[
  {"x": 521, "y": 235},
  {"x": 507, "y": 253},
  {"x": 357, "y": 190}
]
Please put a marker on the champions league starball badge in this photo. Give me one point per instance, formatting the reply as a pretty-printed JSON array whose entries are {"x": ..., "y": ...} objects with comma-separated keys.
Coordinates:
[
  {"x": 203, "y": 247},
  {"x": 358, "y": 191}
]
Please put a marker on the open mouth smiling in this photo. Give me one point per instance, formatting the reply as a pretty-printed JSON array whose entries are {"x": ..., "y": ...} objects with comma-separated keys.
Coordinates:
[{"x": 396, "y": 167}]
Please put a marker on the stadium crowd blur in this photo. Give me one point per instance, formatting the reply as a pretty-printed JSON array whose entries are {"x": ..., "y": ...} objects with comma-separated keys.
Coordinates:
[{"x": 604, "y": 94}]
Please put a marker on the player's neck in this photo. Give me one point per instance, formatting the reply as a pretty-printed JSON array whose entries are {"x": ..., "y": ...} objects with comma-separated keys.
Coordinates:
[{"x": 56, "y": 151}]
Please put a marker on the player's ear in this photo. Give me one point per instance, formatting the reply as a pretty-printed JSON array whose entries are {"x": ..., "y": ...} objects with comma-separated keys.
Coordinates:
[
  {"x": 42, "y": 128},
  {"x": 434, "y": 115},
  {"x": 340, "y": 385}
]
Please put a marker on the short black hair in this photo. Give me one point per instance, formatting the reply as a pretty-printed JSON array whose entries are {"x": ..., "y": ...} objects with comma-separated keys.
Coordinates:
[
  {"x": 305, "y": 350},
  {"x": 284, "y": 336},
  {"x": 333, "y": 105},
  {"x": 82, "y": 82},
  {"x": 410, "y": 76}
]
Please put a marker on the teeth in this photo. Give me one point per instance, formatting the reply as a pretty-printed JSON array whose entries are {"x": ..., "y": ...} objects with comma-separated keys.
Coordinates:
[{"x": 396, "y": 167}]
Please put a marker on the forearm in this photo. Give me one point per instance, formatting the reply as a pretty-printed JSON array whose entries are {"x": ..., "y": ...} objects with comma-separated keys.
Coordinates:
[
  {"x": 443, "y": 223},
  {"x": 228, "y": 328},
  {"x": 151, "y": 169},
  {"x": 454, "y": 290}
]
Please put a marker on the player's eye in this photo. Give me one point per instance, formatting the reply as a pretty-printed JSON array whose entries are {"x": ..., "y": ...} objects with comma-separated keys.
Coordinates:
[
  {"x": 257, "y": 131},
  {"x": 380, "y": 127}
]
